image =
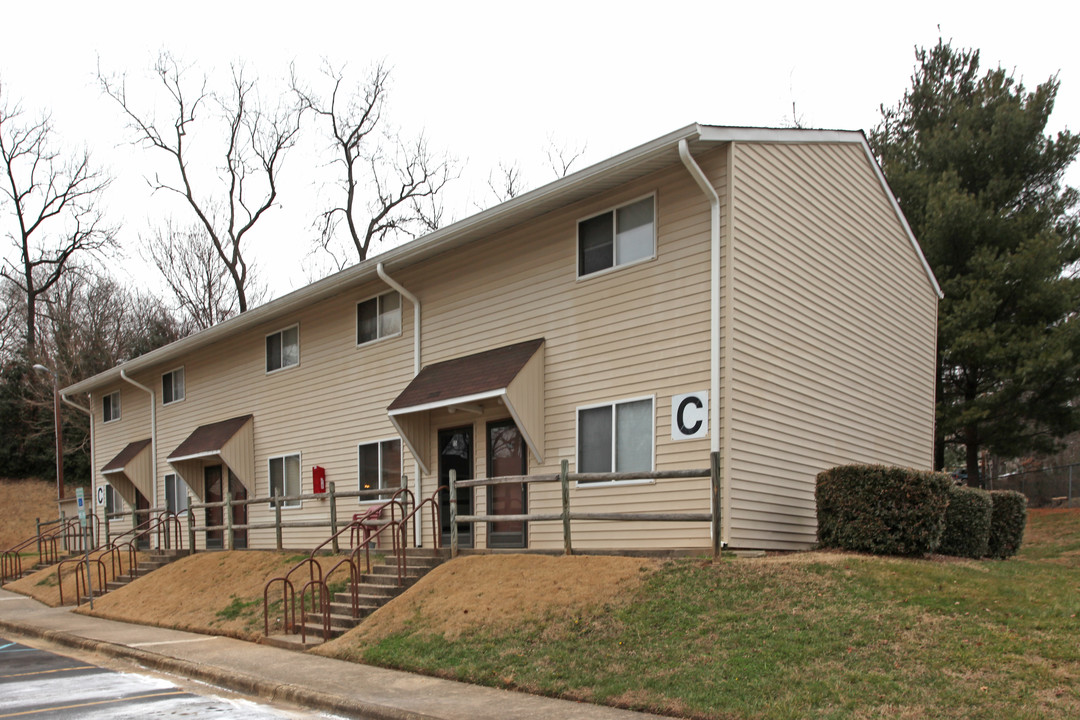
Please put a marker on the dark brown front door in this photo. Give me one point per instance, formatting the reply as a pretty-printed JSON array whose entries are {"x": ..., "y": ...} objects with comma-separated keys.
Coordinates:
[
  {"x": 506, "y": 456},
  {"x": 215, "y": 539},
  {"x": 456, "y": 453}
]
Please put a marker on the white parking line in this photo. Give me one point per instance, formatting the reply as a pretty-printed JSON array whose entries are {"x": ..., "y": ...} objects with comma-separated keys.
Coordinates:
[{"x": 172, "y": 642}]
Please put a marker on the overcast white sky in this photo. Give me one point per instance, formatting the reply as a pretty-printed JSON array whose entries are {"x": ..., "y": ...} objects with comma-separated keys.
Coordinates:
[{"x": 491, "y": 81}]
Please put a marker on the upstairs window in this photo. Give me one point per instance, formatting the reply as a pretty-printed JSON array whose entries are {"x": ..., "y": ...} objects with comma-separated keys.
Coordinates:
[
  {"x": 285, "y": 478},
  {"x": 283, "y": 349},
  {"x": 380, "y": 467},
  {"x": 172, "y": 386},
  {"x": 378, "y": 318},
  {"x": 110, "y": 407},
  {"x": 620, "y": 236},
  {"x": 616, "y": 437}
]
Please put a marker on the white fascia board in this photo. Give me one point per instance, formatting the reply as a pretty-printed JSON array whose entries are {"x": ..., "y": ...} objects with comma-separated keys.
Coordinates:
[
  {"x": 462, "y": 400},
  {"x": 409, "y": 444},
  {"x": 196, "y": 456},
  {"x": 718, "y": 134}
]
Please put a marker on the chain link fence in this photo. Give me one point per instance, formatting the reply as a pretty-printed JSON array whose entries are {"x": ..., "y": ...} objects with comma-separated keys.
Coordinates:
[{"x": 1048, "y": 487}]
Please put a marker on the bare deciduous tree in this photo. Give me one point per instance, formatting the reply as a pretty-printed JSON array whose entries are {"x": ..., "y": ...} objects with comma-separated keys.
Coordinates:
[
  {"x": 256, "y": 142},
  {"x": 561, "y": 155},
  {"x": 53, "y": 201},
  {"x": 198, "y": 279},
  {"x": 508, "y": 183},
  {"x": 391, "y": 186}
]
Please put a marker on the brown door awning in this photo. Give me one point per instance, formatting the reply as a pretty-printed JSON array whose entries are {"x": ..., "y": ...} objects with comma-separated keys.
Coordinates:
[
  {"x": 131, "y": 471},
  {"x": 229, "y": 442},
  {"x": 514, "y": 374}
]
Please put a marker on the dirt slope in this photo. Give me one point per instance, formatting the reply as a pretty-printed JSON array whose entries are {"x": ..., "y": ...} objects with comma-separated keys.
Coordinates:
[
  {"x": 219, "y": 593},
  {"x": 496, "y": 591},
  {"x": 21, "y": 501}
]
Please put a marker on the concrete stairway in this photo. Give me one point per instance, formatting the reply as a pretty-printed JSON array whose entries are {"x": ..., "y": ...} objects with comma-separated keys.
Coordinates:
[
  {"x": 376, "y": 589},
  {"x": 153, "y": 560}
]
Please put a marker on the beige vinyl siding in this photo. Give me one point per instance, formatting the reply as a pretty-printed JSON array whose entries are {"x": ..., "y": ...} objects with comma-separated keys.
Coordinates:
[
  {"x": 833, "y": 338},
  {"x": 630, "y": 332},
  {"x": 112, "y": 437},
  {"x": 635, "y": 331}
]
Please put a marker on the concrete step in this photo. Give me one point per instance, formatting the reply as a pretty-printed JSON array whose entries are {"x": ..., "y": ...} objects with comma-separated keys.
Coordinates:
[
  {"x": 345, "y": 608},
  {"x": 344, "y": 621},
  {"x": 292, "y": 642}
]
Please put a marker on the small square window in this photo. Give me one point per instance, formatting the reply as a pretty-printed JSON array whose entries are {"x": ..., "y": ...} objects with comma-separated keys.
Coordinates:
[
  {"x": 283, "y": 349},
  {"x": 172, "y": 386},
  {"x": 620, "y": 236},
  {"x": 380, "y": 467},
  {"x": 378, "y": 318},
  {"x": 285, "y": 478},
  {"x": 110, "y": 407},
  {"x": 616, "y": 437}
]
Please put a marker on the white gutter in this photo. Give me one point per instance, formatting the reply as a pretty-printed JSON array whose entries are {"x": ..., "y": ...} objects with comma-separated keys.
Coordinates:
[
  {"x": 153, "y": 433},
  {"x": 381, "y": 271},
  {"x": 720, "y": 431}
]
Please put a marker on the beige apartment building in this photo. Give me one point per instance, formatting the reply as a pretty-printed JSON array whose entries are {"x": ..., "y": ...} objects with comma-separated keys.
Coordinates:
[{"x": 755, "y": 292}]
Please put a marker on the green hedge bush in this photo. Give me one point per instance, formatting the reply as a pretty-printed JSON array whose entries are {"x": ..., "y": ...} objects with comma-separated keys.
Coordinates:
[
  {"x": 967, "y": 522},
  {"x": 1007, "y": 523},
  {"x": 880, "y": 509}
]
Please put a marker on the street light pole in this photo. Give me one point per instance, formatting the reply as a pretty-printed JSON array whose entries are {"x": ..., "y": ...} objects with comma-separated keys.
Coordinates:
[{"x": 59, "y": 432}]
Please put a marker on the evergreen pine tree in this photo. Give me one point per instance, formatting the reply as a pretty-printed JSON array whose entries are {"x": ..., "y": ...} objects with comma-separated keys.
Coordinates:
[{"x": 981, "y": 184}]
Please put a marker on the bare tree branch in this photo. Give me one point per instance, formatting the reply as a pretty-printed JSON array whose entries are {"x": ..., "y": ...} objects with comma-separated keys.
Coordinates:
[
  {"x": 54, "y": 202},
  {"x": 562, "y": 155},
  {"x": 402, "y": 180},
  {"x": 193, "y": 270},
  {"x": 256, "y": 142},
  {"x": 509, "y": 183}
]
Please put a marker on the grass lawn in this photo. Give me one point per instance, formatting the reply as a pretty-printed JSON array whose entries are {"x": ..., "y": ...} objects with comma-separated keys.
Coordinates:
[{"x": 817, "y": 635}]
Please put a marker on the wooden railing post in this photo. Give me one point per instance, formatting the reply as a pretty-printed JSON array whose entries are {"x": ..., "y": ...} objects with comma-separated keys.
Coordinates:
[
  {"x": 228, "y": 519},
  {"x": 333, "y": 519},
  {"x": 564, "y": 480},
  {"x": 277, "y": 519},
  {"x": 453, "y": 514},
  {"x": 190, "y": 526},
  {"x": 714, "y": 476}
]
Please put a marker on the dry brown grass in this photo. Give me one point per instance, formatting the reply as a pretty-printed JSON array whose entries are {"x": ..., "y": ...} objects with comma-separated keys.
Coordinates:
[
  {"x": 499, "y": 591},
  {"x": 218, "y": 593},
  {"x": 21, "y": 502}
]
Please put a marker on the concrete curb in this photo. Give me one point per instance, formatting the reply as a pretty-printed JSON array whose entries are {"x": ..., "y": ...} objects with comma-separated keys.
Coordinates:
[{"x": 238, "y": 682}]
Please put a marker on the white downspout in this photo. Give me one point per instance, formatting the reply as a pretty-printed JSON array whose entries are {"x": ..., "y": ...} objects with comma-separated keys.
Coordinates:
[
  {"x": 93, "y": 465},
  {"x": 720, "y": 431},
  {"x": 153, "y": 433},
  {"x": 417, "y": 527}
]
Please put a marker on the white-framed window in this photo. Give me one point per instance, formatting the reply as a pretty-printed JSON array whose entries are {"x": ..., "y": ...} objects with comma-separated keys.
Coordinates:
[
  {"x": 283, "y": 349},
  {"x": 379, "y": 466},
  {"x": 172, "y": 386},
  {"x": 110, "y": 407},
  {"x": 113, "y": 501},
  {"x": 623, "y": 235},
  {"x": 378, "y": 317},
  {"x": 616, "y": 437},
  {"x": 284, "y": 473},
  {"x": 176, "y": 494}
]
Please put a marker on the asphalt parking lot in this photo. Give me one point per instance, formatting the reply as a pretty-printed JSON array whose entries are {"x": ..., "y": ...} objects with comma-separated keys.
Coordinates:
[{"x": 36, "y": 683}]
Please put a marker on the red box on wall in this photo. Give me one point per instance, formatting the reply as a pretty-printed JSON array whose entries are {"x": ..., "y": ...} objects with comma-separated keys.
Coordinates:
[{"x": 318, "y": 479}]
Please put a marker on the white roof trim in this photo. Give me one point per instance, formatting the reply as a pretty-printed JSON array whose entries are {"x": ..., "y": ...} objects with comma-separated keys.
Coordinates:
[{"x": 461, "y": 400}]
